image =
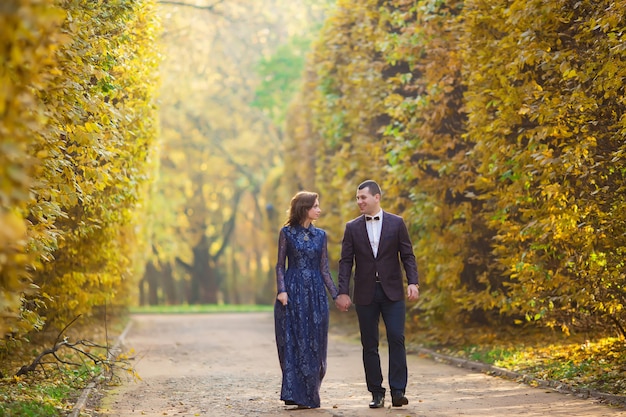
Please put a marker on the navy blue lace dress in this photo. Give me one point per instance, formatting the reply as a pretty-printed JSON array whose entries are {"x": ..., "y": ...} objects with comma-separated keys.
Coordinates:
[{"x": 302, "y": 325}]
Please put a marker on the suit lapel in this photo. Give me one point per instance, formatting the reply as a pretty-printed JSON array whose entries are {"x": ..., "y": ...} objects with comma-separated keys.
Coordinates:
[
  {"x": 364, "y": 236},
  {"x": 384, "y": 226}
]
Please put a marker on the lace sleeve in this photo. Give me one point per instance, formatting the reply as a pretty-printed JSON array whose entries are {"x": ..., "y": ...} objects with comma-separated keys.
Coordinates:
[
  {"x": 328, "y": 279},
  {"x": 280, "y": 263}
]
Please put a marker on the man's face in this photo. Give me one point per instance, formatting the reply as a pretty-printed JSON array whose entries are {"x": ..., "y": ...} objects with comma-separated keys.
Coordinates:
[{"x": 368, "y": 203}]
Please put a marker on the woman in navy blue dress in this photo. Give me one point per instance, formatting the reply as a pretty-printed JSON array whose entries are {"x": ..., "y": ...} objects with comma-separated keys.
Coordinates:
[{"x": 301, "y": 311}]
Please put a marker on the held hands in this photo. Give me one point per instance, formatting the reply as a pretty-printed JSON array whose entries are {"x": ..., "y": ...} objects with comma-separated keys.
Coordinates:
[
  {"x": 343, "y": 302},
  {"x": 283, "y": 298},
  {"x": 413, "y": 292}
]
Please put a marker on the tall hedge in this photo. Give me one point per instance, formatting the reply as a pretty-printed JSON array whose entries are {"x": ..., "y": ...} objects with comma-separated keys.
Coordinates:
[
  {"x": 496, "y": 129},
  {"x": 344, "y": 95},
  {"x": 29, "y": 37},
  {"x": 100, "y": 153},
  {"x": 546, "y": 99},
  {"x": 430, "y": 160},
  {"x": 90, "y": 153}
]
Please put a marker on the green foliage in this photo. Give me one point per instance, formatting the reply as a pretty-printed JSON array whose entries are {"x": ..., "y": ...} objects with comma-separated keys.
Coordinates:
[
  {"x": 582, "y": 363},
  {"x": 280, "y": 78},
  {"x": 33, "y": 396},
  {"x": 217, "y": 203},
  {"x": 29, "y": 409},
  {"x": 201, "y": 308}
]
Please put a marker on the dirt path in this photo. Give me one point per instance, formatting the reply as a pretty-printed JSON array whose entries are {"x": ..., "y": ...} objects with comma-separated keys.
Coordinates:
[{"x": 225, "y": 365}]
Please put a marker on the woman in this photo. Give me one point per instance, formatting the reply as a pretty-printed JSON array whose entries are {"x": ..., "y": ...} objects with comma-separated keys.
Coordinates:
[{"x": 301, "y": 309}]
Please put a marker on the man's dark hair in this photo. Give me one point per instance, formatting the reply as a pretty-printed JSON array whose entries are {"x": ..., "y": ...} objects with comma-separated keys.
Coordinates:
[{"x": 372, "y": 185}]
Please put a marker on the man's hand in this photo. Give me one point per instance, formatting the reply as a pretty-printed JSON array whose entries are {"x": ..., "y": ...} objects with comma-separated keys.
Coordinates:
[
  {"x": 283, "y": 298},
  {"x": 343, "y": 302},
  {"x": 413, "y": 292}
]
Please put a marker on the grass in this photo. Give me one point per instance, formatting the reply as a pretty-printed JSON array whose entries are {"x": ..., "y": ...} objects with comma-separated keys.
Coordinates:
[
  {"x": 204, "y": 308},
  {"x": 31, "y": 396},
  {"x": 28, "y": 409},
  {"x": 597, "y": 365}
]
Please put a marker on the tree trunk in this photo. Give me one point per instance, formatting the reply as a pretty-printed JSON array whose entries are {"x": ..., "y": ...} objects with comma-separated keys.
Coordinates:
[
  {"x": 169, "y": 286},
  {"x": 203, "y": 276},
  {"x": 151, "y": 278}
]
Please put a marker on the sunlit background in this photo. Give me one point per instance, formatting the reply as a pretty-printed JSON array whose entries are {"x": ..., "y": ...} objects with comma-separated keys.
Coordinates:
[{"x": 228, "y": 73}]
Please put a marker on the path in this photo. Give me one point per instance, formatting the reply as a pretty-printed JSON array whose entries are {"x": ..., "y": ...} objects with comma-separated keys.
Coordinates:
[{"x": 225, "y": 365}]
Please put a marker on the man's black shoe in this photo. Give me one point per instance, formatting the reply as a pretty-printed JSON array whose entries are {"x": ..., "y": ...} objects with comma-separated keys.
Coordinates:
[
  {"x": 398, "y": 399},
  {"x": 378, "y": 401}
]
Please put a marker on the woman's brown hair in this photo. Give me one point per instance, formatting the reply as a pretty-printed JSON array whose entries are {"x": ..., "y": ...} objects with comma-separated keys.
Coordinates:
[{"x": 301, "y": 203}]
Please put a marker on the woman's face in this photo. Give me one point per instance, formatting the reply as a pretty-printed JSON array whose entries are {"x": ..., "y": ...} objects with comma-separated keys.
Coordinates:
[{"x": 315, "y": 211}]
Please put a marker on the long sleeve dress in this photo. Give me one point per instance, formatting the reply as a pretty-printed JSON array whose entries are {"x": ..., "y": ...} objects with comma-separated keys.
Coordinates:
[{"x": 302, "y": 325}]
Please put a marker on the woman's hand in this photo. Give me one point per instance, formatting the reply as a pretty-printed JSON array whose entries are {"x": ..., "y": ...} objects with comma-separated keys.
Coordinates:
[
  {"x": 283, "y": 298},
  {"x": 343, "y": 302}
]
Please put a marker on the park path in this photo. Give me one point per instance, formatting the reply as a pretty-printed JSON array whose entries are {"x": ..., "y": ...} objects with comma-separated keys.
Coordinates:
[{"x": 225, "y": 365}]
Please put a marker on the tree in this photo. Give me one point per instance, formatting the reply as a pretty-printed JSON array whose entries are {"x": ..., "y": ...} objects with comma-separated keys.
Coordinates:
[{"x": 221, "y": 154}]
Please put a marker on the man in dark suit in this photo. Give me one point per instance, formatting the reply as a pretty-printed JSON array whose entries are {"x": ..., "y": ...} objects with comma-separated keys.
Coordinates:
[{"x": 376, "y": 243}]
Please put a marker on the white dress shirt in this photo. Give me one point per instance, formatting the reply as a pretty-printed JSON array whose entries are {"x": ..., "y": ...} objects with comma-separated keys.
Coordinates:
[{"x": 373, "y": 230}]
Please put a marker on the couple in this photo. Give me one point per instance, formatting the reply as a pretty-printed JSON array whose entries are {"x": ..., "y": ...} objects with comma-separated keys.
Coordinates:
[{"x": 375, "y": 243}]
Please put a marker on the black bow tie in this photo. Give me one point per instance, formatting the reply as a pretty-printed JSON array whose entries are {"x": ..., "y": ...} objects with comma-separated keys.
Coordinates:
[{"x": 368, "y": 218}]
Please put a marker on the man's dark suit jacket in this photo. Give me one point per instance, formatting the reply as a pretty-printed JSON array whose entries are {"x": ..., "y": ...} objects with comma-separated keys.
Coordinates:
[{"x": 394, "y": 247}]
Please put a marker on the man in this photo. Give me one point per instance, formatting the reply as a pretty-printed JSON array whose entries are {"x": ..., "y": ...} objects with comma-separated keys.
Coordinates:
[{"x": 375, "y": 243}]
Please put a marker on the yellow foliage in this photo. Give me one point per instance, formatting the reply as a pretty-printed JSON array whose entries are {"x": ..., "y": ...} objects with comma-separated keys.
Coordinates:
[
  {"x": 28, "y": 35},
  {"x": 75, "y": 161},
  {"x": 496, "y": 130}
]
